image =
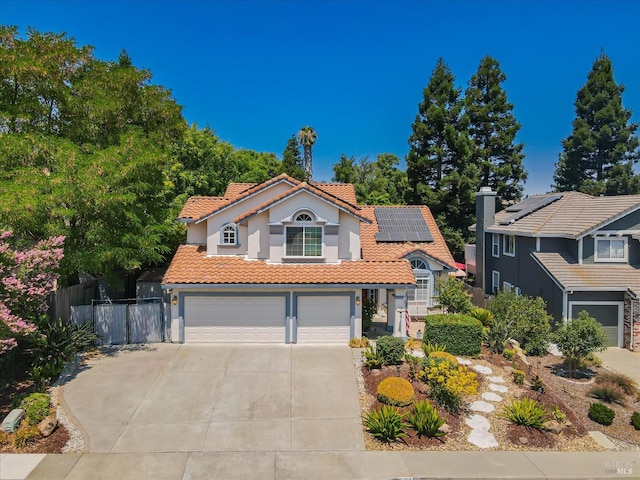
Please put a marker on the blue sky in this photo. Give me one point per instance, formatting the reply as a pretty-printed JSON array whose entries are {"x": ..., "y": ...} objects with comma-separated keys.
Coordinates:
[{"x": 257, "y": 71}]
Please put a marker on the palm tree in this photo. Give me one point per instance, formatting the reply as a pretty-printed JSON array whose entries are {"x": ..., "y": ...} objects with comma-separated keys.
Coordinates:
[{"x": 307, "y": 137}]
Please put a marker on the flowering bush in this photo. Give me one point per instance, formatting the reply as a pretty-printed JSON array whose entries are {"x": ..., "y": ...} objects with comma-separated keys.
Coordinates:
[
  {"x": 448, "y": 382},
  {"x": 26, "y": 278}
]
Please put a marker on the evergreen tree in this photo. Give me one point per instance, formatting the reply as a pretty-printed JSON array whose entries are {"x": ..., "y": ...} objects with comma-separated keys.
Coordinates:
[
  {"x": 493, "y": 129},
  {"x": 598, "y": 156},
  {"x": 440, "y": 169},
  {"x": 292, "y": 162},
  {"x": 307, "y": 137}
]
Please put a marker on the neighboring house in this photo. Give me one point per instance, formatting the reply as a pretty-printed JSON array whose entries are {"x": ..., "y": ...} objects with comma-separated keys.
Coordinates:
[
  {"x": 576, "y": 251},
  {"x": 286, "y": 261}
]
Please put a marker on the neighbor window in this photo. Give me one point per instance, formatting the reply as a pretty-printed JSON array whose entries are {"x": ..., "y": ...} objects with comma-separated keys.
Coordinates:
[
  {"x": 229, "y": 235},
  {"x": 609, "y": 249},
  {"x": 509, "y": 245},
  {"x": 495, "y": 281},
  {"x": 495, "y": 245},
  {"x": 507, "y": 287}
]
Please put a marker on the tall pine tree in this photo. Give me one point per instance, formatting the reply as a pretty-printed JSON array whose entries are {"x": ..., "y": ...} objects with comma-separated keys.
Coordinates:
[
  {"x": 598, "y": 156},
  {"x": 440, "y": 169},
  {"x": 292, "y": 162},
  {"x": 493, "y": 129}
]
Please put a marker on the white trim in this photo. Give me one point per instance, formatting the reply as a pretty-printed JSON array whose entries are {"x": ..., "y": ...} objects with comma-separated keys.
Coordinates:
[
  {"x": 506, "y": 241},
  {"x": 625, "y": 248},
  {"x": 605, "y": 302},
  {"x": 234, "y": 229},
  {"x": 495, "y": 281},
  {"x": 495, "y": 245},
  {"x": 580, "y": 251},
  {"x": 537, "y": 244},
  {"x": 506, "y": 286},
  {"x": 303, "y": 226}
]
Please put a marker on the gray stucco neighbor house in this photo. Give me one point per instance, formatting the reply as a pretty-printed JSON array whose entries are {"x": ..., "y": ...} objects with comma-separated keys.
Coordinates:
[{"x": 576, "y": 251}]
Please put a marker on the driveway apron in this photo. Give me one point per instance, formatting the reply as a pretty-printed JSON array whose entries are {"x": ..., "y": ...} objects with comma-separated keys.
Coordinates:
[{"x": 227, "y": 398}]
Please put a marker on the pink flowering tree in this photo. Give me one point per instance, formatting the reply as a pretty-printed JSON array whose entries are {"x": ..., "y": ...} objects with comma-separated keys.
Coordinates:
[{"x": 26, "y": 278}]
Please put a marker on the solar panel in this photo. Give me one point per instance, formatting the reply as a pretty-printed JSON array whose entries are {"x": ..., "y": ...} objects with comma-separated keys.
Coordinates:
[
  {"x": 401, "y": 225},
  {"x": 527, "y": 207}
]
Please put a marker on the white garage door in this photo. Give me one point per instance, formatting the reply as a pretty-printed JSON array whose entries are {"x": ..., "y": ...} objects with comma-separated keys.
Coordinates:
[
  {"x": 324, "y": 319},
  {"x": 232, "y": 319}
]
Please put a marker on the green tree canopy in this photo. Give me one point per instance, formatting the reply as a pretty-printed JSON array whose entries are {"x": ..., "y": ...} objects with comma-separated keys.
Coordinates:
[
  {"x": 598, "y": 155},
  {"x": 292, "y": 162},
  {"x": 493, "y": 129}
]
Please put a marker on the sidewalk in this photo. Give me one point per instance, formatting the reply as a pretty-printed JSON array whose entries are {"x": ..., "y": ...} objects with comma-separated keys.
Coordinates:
[{"x": 354, "y": 465}]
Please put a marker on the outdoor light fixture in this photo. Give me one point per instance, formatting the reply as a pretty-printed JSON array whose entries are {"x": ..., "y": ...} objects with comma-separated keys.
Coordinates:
[
  {"x": 358, "y": 301},
  {"x": 174, "y": 300}
]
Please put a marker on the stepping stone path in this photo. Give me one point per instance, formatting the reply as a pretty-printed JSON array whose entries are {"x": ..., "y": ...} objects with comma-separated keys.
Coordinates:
[
  {"x": 463, "y": 361},
  {"x": 480, "y": 435}
]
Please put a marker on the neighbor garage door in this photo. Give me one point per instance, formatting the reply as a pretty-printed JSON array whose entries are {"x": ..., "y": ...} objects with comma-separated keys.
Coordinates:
[
  {"x": 234, "y": 319},
  {"x": 608, "y": 314},
  {"x": 324, "y": 319}
]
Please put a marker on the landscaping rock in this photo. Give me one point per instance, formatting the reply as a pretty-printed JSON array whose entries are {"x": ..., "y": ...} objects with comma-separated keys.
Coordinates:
[
  {"x": 508, "y": 369},
  {"x": 496, "y": 379},
  {"x": 445, "y": 428},
  {"x": 523, "y": 440},
  {"x": 553, "y": 426},
  {"x": 463, "y": 361},
  {"x": 480, "y": 435},
  {"x": 417, "y": 353},
  {"x": 47, "y": 426}
]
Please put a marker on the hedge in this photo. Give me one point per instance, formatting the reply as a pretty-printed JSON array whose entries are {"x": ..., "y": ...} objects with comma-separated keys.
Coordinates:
[{"x": 461, "y": 334}]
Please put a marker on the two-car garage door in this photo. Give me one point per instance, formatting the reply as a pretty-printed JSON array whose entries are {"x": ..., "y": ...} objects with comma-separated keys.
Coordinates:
[{"x": 263, "y": 319}]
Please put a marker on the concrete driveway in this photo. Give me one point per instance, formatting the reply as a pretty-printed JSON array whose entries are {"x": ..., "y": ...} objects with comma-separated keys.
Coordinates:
[{"x": 227, "y": 398}]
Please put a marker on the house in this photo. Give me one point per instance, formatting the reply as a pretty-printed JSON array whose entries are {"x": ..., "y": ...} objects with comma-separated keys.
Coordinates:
[
  {"x": 286, "y": 261},
  {"x": 576, "y": 251}
]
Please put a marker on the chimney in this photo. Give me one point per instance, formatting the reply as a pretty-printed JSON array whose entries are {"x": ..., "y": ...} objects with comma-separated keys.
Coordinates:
[{"x": 485, "y": 217}]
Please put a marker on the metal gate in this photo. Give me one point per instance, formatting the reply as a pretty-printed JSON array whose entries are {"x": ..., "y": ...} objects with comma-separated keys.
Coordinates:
[{"x": 120, "y": 323}]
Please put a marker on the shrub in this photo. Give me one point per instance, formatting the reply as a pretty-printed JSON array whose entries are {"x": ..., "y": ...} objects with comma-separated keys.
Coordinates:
[
  {"x": 359, "y": 342},
  {"x": 5, "y": 438},
  {"x": 36, "y": 407},
  {"x": 580, "y": 337},
  {"x": 368, "y": 311},
  {"x": 607, "y": 392},
  {"x": 426, "y": 420},
  {"x": 460, "y": 334},
  {"x": 635, "y": 420},
  {"x": 445, "y": 355},
  {"x": 395, "y": 391},
  {"x": 537, "y": 384},
  {"x": 372, "y": 358},
  {"x": 601, "y": 414},
  {"x": 624, "y": 382},
  {"x": 518, "y": 377},
  {"x": 414, "y": 364},
  {"x": 391, "y": 349},
  {"x": 523, "y": 318},
  {"x": 526, "y": 412},
  {"x": 508, "y": 353},
  {"x": 385, "y": 423},
  {"x": 498, "y": 335},
  {"x": 452, "y": 295},
  {"x": 413, "y": 344},
  {"x": 428, "y": 347},
  {"x": 448, "y": 383},
  {"x": 25, "y": 434},
  {"x": 558, "y": 414},
  {"x": 485, "y": 316}
]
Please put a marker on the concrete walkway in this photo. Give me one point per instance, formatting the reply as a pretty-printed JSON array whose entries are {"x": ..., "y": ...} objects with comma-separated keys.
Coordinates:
[
  {"x": 346, "y": 465},
  {"x": 623, "y": 361}
]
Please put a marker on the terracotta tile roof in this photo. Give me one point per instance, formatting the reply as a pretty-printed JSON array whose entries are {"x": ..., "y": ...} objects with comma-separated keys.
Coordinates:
[
  {"x": 198, "y": 207},
  {"x": 573, "y": 216},
  {"x": 343, "y": 191},
  {"x": 572, "y": 276},
  {"x": 373, "y": 250},
  {"x": 300, "y": 187},
  {"x": 235, "y": 189},
  {"x": 191, "y": 265}
]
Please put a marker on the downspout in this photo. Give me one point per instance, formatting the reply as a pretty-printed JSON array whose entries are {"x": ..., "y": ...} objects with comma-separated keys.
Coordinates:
[
  {"x": 565, "y": 306},
  {"x": 580, "y": 251}
]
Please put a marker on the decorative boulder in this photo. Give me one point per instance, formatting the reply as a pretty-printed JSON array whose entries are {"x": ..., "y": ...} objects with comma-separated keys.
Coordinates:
[{"x": 47, "y": 426}]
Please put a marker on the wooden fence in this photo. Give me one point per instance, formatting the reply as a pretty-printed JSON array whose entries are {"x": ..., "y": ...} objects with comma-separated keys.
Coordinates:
[
  {"x": 478, "y": 298},
  {"x": 61, "y": 301}
]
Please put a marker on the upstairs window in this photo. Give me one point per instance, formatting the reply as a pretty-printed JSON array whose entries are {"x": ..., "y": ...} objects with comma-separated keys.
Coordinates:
[
  {"x": 229, "y": 235},
  {"x": 495, "y": 245},
  {"x": 509, "y": 245},
  {"x": 304, "y": 240},
  {"x": 608, "y": 249}
]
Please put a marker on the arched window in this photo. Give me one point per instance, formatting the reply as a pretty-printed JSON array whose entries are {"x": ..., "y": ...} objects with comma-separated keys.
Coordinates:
[
  {"x": 422, "y": 292},
  {"x": 304, "y": 240},
  {"x": 229, "y": 235}
]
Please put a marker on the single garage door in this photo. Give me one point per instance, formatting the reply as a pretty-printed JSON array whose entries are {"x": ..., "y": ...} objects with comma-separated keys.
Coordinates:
[
  {"x": 239, "y": 319},
  {"x": 324, "y": 319},
  {"x": 608, "y": 314}
]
